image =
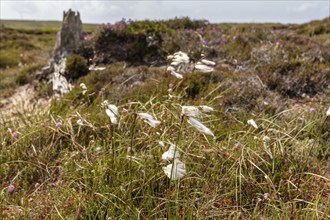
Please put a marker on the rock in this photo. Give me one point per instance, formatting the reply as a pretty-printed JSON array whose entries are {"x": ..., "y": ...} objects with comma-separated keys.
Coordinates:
[
  {"x": 60, "y": 83},
  {"x": 46, "y": 71},
  {"x": 95, "y": 68},
  {"x": 69, "y": 36},
  {"x": 68, "y": 40}
]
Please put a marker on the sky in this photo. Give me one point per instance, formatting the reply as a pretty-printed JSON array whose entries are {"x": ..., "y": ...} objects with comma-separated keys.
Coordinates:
[{"x": 215, "y": 11}]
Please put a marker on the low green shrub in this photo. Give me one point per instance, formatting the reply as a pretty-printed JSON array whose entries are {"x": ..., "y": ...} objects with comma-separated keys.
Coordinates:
[
  {"x": 26, "y": 75},
  {"x": 23, "y": 78},
  {"x": 8, "y": 58},
  {"x": 76, "y": 67},
  {"x": 86, "y": 50}
]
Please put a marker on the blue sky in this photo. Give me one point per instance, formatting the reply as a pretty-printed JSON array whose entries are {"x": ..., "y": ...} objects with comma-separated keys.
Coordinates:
[{"x": 282, "y": 11}]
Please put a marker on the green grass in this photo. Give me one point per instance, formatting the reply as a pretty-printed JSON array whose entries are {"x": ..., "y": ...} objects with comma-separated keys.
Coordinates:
[
  {"x": 84, "y": 171},
  {"x": 99, "y": 170},
  {"x": 23, "y": 45},
  {"x": 39, "y": 25},
  {"x": 22, "y": 53}
]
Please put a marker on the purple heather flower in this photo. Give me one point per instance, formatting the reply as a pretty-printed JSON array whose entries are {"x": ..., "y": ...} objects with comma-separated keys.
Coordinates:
[
  {"x": 101, "y": 93},
  {"x": 191, "y": 32},
  {"x": 218, "y": 41},
  {"x": 200, "y": 30},
  {"x": 204, "y": 42},
  {"x": 58, "y": 124},
  {"x": 234, "y": 37},
  {"x": 213, "y": 31},
  {"x": 11, "y": 188},
  {"x": 266, "y": 196},
  {"x": 312, "y": 110},
  {"x": 224, "y": 41},
  {"x": 88, "y": 36},
  {"x": 15, "y": 134}
]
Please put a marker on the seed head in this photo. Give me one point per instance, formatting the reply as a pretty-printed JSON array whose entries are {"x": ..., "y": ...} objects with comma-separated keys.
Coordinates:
[{"x": 253, "y": 123}]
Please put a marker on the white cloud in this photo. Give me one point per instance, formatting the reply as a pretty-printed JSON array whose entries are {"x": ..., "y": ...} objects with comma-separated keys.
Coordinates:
[
  {"x": 214, "y": 11},
  {"x": 306, "y": 6}
]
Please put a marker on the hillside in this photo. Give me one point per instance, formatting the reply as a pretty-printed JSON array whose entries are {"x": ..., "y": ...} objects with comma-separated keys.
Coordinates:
[
  {"x": 38, "y": 25},
  {"x": 254, "y": 146}
]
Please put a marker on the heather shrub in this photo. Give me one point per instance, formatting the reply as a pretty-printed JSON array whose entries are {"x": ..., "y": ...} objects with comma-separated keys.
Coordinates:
[
  {"x": 112, "y": 46},
  {"x": 86, "y": 50}
]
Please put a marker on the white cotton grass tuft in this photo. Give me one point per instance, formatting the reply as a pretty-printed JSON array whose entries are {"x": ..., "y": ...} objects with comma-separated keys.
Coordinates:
[
  {"x": 152, "y": 122},
  {"x": 178, "y": 62},
  {"x": 83, "y": 87},
  {"x": 180, "y": 57},
  {"x": 268, "y": 150},
  {"x": 199, "y": 126},
  {"x": 191, "y": 111},
  {"x": 208, "y": 62},
  {"x": 176, "y": 74},
  {"x": 171, "y": 153},
  {"x": 113, "y": 108},
  {"x": 143, "y": 115},
  {"x": 80, "y": 122},
  {"x": 175, "y": 63},
  {"x": 328, "y": 112},
  {"x": 175, "y": 170},
  {"x": 203, "y": 68},
  {"x": 206, "y": 108},
  {"x": 149, "y": 119},
  {"x": 161, "y": 143},
  {"x": 105, "y": 103},
  {"x": 252, "y": 123},
  {"x": 266, "y": 141},
  {"x": 170, "y": 57},
  {"x": 170, "y": 68},
  {"x": 111, "y": 111},
  {"x": 112, "y": 116}
]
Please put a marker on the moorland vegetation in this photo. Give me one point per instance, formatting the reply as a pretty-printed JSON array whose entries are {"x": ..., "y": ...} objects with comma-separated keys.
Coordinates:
[{"x": 111, "y": 148}]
